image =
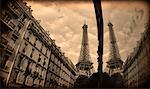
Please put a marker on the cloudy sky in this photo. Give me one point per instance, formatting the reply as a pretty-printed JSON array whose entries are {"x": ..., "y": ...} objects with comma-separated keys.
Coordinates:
[{"x": 64, "y": 21}]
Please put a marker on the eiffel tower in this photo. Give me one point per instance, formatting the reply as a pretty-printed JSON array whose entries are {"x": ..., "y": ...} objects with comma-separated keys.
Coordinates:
[
  {"x": 114, "y": 62},
  {"x": 84, "y": 65}
]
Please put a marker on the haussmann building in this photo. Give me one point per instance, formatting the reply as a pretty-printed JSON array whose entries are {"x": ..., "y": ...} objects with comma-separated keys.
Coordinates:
[
  {"x": 137, "y": 66},
  {"x": 28, "y": 56}
]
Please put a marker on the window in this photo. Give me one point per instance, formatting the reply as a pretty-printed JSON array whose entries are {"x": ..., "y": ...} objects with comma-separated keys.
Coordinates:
[
  {"x": 5, "y": 17},
  {"x": 12, "y": 25},
  {"x": 42, "y": 69},
  {"x": 36, "y": 66},
  {"x": 35, "y": 41},
  {"x": 52, "y": 69},
  {"x": 56, "y": 60},
  {"x": 24, "y": 49},
  {"x": 58, "y": 63},
  {"x": 52, "y": 57},
  {"x": 20, "y": 59},
  {"x": 44, "y": 62},
  {"x": 29, "y": 34},
  {"x": 23, "y": 18},
  {"x": 4, "y": 61},
  {"x": 31, "y": 55},
  {"x": 32, "y": 49},
  {"x": 39, "y": 59},
  {"x": 19, "y": 27},
  {"x": 41, "y": 47},
  {"x": 46, "y": 52}
]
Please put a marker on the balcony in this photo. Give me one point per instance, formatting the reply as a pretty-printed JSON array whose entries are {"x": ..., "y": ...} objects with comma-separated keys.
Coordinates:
[
  {"x": 17, "y": 12},
  {"x": 33, "y": 29},
  {"x": 14, "y": 10},
  {"x": 41, "y": 37},
  {"x": 5, "y": 17},
  {"x": 4, "y": 68},
  {"x": 15, "y": 34},
  {"x": 11, "y": 24},
  {"x": 21, "y": 23},
  {"x": 9, "y": 49},
  {"x": 6, "y": 24},
  {"x": 3, "y": 41}
]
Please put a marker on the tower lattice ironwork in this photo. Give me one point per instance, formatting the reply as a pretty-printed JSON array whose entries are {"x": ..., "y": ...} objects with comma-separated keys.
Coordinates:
[
  {"x": 114, "y": 62},
  {"x": 84, "y": 65}
]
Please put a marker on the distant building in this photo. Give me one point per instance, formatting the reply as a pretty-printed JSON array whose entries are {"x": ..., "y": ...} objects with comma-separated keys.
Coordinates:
[
  {"x": 84, "y": 65},
  {"x": 136, "y": 71},
  {"x": 28, "y": 56}
]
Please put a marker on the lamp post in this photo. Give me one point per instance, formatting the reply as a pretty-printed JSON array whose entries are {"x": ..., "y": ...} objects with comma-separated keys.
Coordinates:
[{"x": 98, "y": 12}]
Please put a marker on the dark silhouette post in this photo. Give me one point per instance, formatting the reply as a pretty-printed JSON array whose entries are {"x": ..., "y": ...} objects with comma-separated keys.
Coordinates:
[{"x": 98, "y": 12}]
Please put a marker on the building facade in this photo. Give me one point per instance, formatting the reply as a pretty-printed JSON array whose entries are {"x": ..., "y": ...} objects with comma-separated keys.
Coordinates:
[
  {"x": 61, "y": 72},
  {"x": 136, "y": 70},
  {"x": 29, "y": 57}
]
